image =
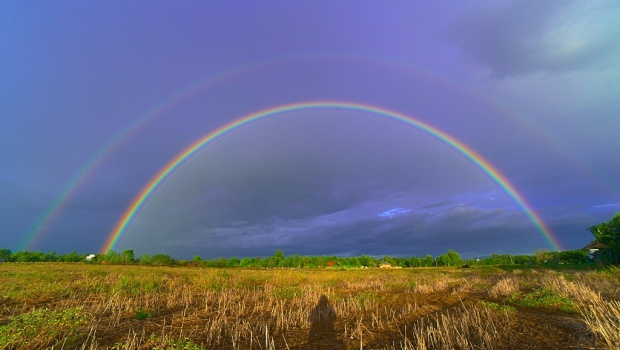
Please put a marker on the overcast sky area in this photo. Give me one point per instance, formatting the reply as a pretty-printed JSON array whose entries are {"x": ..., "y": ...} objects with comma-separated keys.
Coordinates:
[{"x": 97, "y": 97}]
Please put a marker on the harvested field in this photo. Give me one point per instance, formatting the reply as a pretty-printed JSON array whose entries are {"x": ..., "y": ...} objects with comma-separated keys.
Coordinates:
[{"x": 81, "y": 306}]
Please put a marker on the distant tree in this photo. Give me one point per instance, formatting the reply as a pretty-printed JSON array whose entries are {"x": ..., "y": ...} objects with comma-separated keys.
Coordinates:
[
  {"x": 26, "y": 256},
  {"x": 5, "y": 255},
  {"x": 145, "y": 259},
  {"x": 522, "y": 259},
  {"x": 233, "y": 262},
  {"x": 573, "y": 256},
  {"x": 246, "y": 262},
  {"x": 364, "y": 260},
  {"x": 278, "y": 258},
  {"x": 197, "y": 259},
  {"x": 292, "y": 261},
  {"x": 608, "y": 233},
  {"x": 50, "y": 257},
  {"x": 353, "y": 262},
  {"x": 388, "y": 259},
  {"x": 472, "y": 262},
  {"x": 307, "y": 261},
  {"x": 443, "y": 260},
  {"x": 128, "y": 256},
  {"x": 542, "y": 256},
  {"x": 414, "y": 261},
  {"x": 451, "y": 258},
  {"x": 113, "y": 257},
  {"x": 214, "y": 262},
  {"x": 162, "y": 259},
  {"x": 71, "y": 257},
  {"x": 428, "y": 260}
]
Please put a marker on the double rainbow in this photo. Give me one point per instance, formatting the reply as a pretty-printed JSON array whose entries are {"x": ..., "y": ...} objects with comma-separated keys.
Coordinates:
[{"x": 185, "y": 155}]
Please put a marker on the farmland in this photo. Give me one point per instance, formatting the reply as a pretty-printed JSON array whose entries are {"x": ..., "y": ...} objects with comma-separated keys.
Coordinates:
[{"x": 90, "y": 306}]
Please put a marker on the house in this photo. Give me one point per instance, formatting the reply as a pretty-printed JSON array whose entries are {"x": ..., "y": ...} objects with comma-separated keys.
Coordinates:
[
  {"x": 594, "y": 250},
  {"x": 385, "y": 265}
]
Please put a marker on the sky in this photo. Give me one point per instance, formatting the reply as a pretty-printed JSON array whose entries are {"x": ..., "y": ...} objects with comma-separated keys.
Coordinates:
[{"x": 98, "y": 98}]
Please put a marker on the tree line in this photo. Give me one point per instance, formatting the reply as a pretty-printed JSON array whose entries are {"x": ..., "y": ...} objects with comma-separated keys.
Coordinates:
[{"x": 279, "y": 260}]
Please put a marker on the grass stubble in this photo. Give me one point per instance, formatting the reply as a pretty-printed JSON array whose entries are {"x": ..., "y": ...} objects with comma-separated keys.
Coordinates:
[{"x": 80, "y": 306}]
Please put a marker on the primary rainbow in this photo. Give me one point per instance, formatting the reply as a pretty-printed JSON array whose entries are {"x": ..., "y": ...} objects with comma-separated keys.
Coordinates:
[{"x": 186, "y": 154}]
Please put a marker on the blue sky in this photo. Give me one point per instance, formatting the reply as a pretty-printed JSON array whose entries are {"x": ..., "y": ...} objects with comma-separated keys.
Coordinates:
[{"x": 96, "y": 97}]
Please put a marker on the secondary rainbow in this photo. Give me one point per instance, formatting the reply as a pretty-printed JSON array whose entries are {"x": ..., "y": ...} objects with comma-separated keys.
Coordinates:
[{"x": 186, "y": 154}]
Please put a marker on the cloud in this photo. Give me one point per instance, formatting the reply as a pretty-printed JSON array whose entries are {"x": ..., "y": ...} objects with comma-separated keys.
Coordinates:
[
  {"x": 393, "y": 212},
  {"x": 522, "y": 37}
]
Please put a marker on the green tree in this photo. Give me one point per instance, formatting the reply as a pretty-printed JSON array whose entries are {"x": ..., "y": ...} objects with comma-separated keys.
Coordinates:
[
  {"x": 353, "y": 262},
  {"x": 523, "y": 259},
  {"x": 278, "y": 258},
  {"x": 49, "y": 257},
  {"x": 451, "y": 258},
  {"x": 608, "y": 233},
  {"x": 162, "y": 259},
  {"x": 455, "y": 258},
  {"x": 113, "y": 257},
  {"x": 246, "y": 262},
  {"x": 293, "y": 260},
  {"x": 443, "y": 260},
  {"x": 26, "y": 257},
  {"x": 414, "y": 261},
  {"x": 233, "y": 262},
  {"x": 128, "y": 256},
  {"x": 71, "y": 257},
  {"x": 145, "y": 259},
  {"x": 5, "y": 255},
  {"x": 573, "y": 256},
  {"x": 543, "y": 256},
  {"x": 364, "y": 260},
  {"x": 428, "y": 260}
]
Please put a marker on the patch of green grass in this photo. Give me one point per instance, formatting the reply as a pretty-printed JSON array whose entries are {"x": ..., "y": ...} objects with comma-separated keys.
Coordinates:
[
  {"x": 543, "y": 298},
  {"x": 365, "y": 297},
  {"x": 141, "y": 314},
  {"x": 497, "y": 307},
  {"x": 182, "y": 343},
  {"x": 483, "y": 285},
  {"x": 410, "y": 285},
  {"x": 42, "y": 328},
  {"x": 131, "y": 285},
  {"x": 286, "y": 292}
]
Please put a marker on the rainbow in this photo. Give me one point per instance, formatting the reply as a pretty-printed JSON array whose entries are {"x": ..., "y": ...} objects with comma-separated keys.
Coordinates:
[{"x": 165, "y": 172}]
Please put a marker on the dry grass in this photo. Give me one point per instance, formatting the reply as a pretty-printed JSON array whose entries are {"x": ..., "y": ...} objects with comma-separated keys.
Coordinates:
[
  {"x": 134, "y": 307},
  {"x": 601, "y": 315},
  {"x": 477, "y": 327},
  {"x": 504, "y": 287}
]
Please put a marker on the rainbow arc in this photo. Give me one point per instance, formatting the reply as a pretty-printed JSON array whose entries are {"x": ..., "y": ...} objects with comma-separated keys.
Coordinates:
[{"x": 164, "y": 173}]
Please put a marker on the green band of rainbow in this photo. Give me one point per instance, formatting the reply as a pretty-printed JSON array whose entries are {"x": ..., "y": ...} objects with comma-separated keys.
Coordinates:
[{"x": 478, "y": 160}]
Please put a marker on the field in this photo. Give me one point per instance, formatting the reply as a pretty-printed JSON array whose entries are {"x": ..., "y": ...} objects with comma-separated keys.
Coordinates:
[{"x": 83, "y": 306}]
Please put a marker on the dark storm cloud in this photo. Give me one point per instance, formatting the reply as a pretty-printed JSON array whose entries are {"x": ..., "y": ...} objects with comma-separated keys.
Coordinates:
[
  {"x": 359, "y": 229},
  {"x": 414, "y": 234},
  {"x": 521, "y": 37}
]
